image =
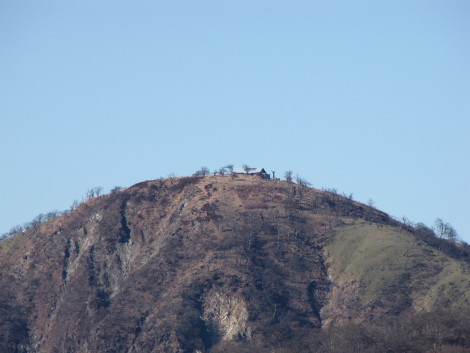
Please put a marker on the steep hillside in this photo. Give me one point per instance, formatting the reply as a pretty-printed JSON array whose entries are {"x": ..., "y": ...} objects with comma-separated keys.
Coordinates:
[
  {"x": 391, "y": 270},
  {"x": 193, "y": 264}
]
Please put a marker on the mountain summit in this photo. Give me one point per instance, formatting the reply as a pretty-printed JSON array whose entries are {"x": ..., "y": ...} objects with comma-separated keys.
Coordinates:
[{"x": 225, "y": 264}]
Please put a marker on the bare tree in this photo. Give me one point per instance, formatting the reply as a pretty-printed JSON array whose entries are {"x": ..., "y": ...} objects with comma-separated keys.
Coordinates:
[
  {"x": 203, "y": 171},
  {"x": 439, "y": 227},
  {"x": 90, "y": 194},
  {"x": 331, "y": 190},
  {"x": 451, "y": 233},
  {"x": 406, "y": 221},
  {"x": 301, "y": 181},
  {"x": 94, "y": 192},
  {"x": 445, "y": 230},
  {"x": 229, "y": 167},
  {"x": 368, "y": 210},
  {"x": 288, "y": 176},
  {"x": 74, "y": 205},
  {"x": 16, "y": 229},
  {"x": 246, "y": 168},
  {"x": 37, "y": 221},
  {"x": 116, "y": 189},
  {"x": 51, "y": 215}
]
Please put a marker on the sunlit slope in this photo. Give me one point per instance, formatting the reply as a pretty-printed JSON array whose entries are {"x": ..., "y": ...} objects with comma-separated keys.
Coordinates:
[{"x": 390, "y": 265}]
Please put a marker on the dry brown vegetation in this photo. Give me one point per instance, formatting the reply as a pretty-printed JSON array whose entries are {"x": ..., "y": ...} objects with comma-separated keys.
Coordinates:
[{"x": 217, "y": 264}]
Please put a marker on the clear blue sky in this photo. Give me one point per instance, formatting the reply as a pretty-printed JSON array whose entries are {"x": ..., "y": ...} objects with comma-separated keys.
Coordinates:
[{"x": 368, "y": 97}]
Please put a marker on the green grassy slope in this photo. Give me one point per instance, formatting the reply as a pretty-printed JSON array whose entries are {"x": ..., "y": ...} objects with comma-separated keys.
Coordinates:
[
  {"x": 385, "y": 260},
  {"x": 12, "y": 244}
]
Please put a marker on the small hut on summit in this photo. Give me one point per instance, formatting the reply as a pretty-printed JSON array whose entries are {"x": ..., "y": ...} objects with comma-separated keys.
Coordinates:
[{"x": 253, "y": 171}]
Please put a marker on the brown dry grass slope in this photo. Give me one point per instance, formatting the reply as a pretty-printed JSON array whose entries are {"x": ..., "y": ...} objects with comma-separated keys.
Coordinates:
[{"x": 186, "y": 264}]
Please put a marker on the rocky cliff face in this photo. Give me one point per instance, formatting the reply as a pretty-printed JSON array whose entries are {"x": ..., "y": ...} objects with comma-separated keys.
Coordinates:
[{"x": 183, "y": 264}]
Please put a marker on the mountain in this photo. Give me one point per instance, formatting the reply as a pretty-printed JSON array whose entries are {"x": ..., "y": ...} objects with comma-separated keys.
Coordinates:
[{"x": 231, "y": 264}]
